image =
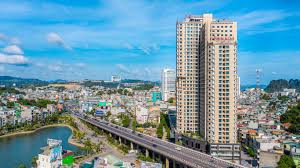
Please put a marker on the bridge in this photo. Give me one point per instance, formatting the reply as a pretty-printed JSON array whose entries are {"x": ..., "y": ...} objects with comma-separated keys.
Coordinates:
[{"x": 170, "y": 154}]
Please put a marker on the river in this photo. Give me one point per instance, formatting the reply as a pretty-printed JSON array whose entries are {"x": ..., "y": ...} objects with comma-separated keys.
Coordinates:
[{"x": 20, "y": 149}]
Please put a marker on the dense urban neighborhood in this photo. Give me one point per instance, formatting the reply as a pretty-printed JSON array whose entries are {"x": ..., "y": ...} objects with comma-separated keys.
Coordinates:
[{"x": 268, "y": 123}]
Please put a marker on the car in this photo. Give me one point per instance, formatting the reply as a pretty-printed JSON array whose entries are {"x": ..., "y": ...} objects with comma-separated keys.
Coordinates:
[
  {"x": 133, "y": 131},
  {"x": 154, "y": 145},
  {"x": 140, "y": 135},
  {"x": 178, "y": 148}
]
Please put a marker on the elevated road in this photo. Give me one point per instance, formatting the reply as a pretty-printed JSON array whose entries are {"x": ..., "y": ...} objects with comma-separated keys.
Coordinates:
[{"x": 182, "y": 155}]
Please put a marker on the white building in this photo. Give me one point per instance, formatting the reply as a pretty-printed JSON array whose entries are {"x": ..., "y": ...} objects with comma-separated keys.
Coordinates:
[
  {"x": 142, "y": 114},
  {"x": 27, "y": 113},
  {"x": 168, "y": 79},
  {"x": 51, "y": 156},
  {"x": 115, "y": 78}
]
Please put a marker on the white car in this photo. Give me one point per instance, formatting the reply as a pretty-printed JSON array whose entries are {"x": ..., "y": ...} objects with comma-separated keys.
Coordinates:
[{"x": 178, "y": 148}]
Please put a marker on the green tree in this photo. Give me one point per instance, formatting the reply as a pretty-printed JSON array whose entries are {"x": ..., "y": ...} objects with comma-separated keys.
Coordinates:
[
  {"x": 134, "y": 124},
  {"x": 125, "y": 121},
  {"x": 88, "y": 146},
  {"x": 286, "y": 162},
  {"x": 292, "y": 116},
  {"x": 10, "y": 104},
  {"x": 265, "y": 97},
  {"x": 251, "y": 152},
  {"x": 283, "y": 98},
  {"x": 159, "y": 131},
  {"x": 21, "y": 166},
  {"x": 171, "y": 100},
  {"x": 33, "y": 161}
]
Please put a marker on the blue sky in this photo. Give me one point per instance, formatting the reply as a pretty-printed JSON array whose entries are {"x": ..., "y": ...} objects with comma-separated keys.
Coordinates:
[{"x": 94, "y": 39}]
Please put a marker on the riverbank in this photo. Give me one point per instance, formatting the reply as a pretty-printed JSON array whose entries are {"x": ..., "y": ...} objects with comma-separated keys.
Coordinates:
[{"x": 70, "y": 139}]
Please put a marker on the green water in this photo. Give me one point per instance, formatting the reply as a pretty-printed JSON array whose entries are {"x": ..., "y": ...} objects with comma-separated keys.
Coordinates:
[{"x": 20, "y": 149}]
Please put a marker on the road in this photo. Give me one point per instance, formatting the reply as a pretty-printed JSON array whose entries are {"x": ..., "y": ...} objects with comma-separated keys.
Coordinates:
[
  {"x": 107, "y": 149},
  {"x": 184, "y": 156}
]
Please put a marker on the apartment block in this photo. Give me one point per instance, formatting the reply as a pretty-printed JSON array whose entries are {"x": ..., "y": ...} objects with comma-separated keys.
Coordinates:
[
  {"x": 168, "y": 79},
  {"x": 206, "y": 86}
]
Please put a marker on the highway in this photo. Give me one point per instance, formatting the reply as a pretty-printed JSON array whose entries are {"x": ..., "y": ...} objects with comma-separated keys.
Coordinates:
[{"x": 185, "y": 156}]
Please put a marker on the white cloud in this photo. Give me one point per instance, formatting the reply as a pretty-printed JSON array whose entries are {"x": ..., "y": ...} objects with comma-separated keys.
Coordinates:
[
  {"x": 260, "y": 17},
  {"x": 128, "y": 46},
  {"x": 3, "y": 37},
  {"x": 56, "y": 39},
  {"x": 13, "y": 49},
  {"x": 2, "y": 68},
  {"x": 55, "y": 67},
  {"x": 123, "y": 68},
  {"x": 147, "y": 71},
  {"x": 155, "y": 47},
  {"x": 146, "y": 50},
  {"x": 39, "y": 64},
  {"x": 13, "y": 59},
  {"x": 81, "y": 65},
  {"x": 15, "y": 40}
]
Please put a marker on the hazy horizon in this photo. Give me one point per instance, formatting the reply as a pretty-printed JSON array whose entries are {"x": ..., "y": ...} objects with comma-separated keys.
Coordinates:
[{"x": 95, "y": 39}]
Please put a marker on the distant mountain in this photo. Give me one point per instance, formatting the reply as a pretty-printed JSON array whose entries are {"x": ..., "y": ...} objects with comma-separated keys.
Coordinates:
[
  {"x": 280, "y": 84},
  {"x": 10, "y": 81},
  {"x": 59, "y": 81},
  {"x": 245, "y": 87}
]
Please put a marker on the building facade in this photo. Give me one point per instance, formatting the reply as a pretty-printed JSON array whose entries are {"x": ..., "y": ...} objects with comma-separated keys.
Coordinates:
[
  {"x": 187, "y": 73},
  {"x": 116, "y": 78},
  {"x": 168, "y": 79},
  {"x": 206, "y": 68}
]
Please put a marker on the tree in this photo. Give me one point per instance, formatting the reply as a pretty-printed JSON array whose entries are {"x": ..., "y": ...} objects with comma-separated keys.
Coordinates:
[
  {"x": 171, "y": 100},
  {"x": 251, "y": 152},
  {"x": 292, "y": 116},
  {"x": 33, "y": 161},
  {"x": 125, "y": 121},
  {"x": 159, "y": 131},
  {"x": 99, "y": 147},
  {"x": 88, "y": 146},
  {"x": 21, "y": 166},
  {"x": 10, "y": 104},
  {"x": 100, "y": 93},
  {"x": 265, "y": 97},
  {"x": 286, "y": 162},
  {"x": 134, "y": 124},
  {"x": 283, "y": 98},
  {"x": 120, "y": 91}
]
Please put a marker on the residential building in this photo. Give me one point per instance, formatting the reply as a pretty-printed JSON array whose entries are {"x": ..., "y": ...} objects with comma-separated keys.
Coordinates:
[
  {"x": 168, "y": 80},
  {"x": 187, "y": 73},
  {"x": 206, "y": 78},
  {"x": 218, "y": 74},
  {"x": 115, "y": 78},
  {"x": 206, "y": 86},
  {"x": 51, "y": 156},
  {"x": 156, "y": 96}
]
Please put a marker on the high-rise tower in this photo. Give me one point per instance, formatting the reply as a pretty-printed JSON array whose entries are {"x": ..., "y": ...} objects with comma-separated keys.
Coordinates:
[
  {"x": 206, "y": 78},
  {"x": 168, "y": 78}
]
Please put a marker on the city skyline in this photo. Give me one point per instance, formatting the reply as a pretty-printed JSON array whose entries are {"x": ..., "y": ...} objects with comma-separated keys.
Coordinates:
[{"x": 95, "y": 39}]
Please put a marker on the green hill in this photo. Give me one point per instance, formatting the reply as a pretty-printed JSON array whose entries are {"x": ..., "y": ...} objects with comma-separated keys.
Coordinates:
[{"x": 280, "y": 84}]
